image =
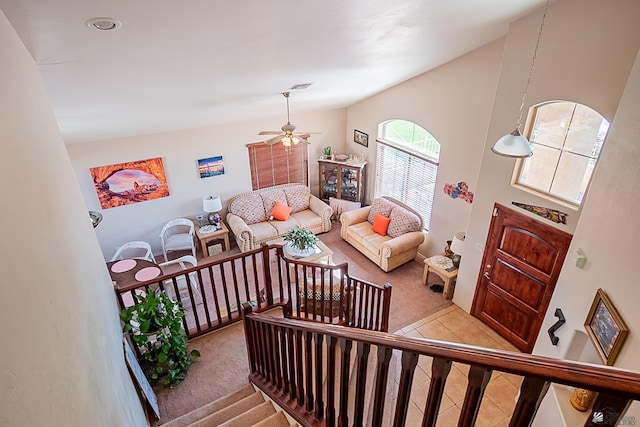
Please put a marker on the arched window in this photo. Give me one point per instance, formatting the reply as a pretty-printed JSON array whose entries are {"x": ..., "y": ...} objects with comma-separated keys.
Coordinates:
[
  {"x": 566, "y": 139},
  {"x": 407, "y": 165}
]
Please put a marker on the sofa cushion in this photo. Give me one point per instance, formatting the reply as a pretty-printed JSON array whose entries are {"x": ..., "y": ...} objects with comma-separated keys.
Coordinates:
[
  {"x": 380, "y": 206},
  {"x": 263, "y": 231},
  {"x": 280, "y": 211},
  {"x": 373, "y": 242},
  {"x": 297, "y": 197},
  {"x": 270, "y": 197},
  {"x": 381, "y": 224},
  {"x": 249, "y": 207},
  {"x": 402, "y": 221},
  {"x": 307, "y": 219},
  {"x": 283, "y": 226}
]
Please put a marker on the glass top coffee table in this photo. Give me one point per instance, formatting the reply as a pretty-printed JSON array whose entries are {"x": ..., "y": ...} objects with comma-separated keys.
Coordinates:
[{"x": 322, "y": 254}]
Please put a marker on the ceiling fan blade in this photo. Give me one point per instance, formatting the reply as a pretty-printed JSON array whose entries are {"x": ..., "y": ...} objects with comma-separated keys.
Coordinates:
[
  {"x": 307, "y": 133},
  {"x": 270, "y": 132},
  {"x": 273, "y": 140}
]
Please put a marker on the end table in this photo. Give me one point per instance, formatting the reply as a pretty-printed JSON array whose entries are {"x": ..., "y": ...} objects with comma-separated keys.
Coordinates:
[
  {"x": 448, "y": 275},
  {"x": 205, "y": 238}
]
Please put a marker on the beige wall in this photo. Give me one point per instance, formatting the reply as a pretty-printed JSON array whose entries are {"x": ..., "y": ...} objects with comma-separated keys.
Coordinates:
[
  {"x": 180, "y": 151},
  {"x": 62, "y": 361},
  {"x": 453, "y": 103},
  {"x": 586, "y": 55}
]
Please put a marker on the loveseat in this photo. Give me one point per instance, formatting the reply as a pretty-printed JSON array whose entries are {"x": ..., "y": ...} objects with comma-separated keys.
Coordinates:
[
  {"x": 251, "y": 215},
  {"x": 390, "y": 240}
]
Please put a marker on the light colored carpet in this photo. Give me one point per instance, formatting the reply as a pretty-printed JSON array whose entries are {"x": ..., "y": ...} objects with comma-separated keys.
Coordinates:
[{"x": 223, "y": 366}]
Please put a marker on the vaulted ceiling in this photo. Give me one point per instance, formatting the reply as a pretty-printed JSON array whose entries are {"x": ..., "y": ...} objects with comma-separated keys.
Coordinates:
[{"x": 184, "y": 64}]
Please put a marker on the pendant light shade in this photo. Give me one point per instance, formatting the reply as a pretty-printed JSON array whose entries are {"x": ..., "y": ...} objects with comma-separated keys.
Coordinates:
[{"x": 514, "y": 144}]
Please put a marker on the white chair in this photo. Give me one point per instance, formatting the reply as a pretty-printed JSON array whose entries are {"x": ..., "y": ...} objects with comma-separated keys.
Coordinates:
[
  {"x": 134, "y": 250},
  {"x": 184, "y": 262},
  {"x": 177, "y": 235}
]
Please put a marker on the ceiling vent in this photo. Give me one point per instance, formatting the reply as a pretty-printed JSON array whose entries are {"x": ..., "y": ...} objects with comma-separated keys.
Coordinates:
[{"x": 300, "y": 86}]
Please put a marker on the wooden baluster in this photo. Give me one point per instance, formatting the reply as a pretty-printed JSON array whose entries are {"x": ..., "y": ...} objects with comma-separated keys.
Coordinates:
[
  {"x": 331, "y": 381},
  {"x": 362, "y": 354},
  {"x": 300, "y": 376},
  {"x": 440, "y": 369},
  {"x": 291, "y": 356},
  {"x": 478, "y": 380},
  {"x": 345, "y": 358},
  {"x": 532, "y": 392},
  {"x": 380, "y": 385},
  {"x": 276, "y": 356},
  {"x": 284, "y": 332},
  {"x": 203, "y": 295},
  {"x": 266, "y": 262},
  {"x": 249, "y": 337},
  {"x": 319, "y": 369},
  {"x": 409, "y": 361},
  {"x": 308, "y": 368},
  {"x": 386, "y": 304}
]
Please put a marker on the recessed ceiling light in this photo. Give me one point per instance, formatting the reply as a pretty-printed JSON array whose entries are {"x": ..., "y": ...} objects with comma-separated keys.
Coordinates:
[
  {"x": 300, "y": 86},
  {"x": 104, "y": 24}
]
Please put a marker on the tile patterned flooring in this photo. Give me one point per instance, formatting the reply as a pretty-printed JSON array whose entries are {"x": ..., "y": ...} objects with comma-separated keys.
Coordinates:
[{"x": 454, "y": 324}]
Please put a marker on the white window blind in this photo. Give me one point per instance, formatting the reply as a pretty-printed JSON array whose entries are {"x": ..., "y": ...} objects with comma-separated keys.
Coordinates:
[
  {"x": 406, "y": 176},
  {"x": 276, "y": 164}
]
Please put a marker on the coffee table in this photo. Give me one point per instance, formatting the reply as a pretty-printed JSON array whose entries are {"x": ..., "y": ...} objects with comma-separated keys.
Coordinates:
[{"x": 322, "y": 254}]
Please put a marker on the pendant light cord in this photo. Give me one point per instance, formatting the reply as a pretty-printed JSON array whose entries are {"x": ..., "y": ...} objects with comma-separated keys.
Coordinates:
[{"x": 533, "y": 62}]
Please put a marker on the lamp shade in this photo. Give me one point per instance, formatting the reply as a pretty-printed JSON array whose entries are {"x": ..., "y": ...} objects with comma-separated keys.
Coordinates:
[
  {"x": 513, "y": 145},
  {"x": 457, "y": 244},
  {"x": 211, "y": 203}
]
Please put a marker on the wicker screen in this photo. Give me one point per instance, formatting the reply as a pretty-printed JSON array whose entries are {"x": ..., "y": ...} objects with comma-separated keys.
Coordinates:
[{"x": 276, "y": 164}]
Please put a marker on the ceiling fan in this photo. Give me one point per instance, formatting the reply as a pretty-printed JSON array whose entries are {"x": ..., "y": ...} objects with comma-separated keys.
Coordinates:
[{"x": 288, "y": 135}]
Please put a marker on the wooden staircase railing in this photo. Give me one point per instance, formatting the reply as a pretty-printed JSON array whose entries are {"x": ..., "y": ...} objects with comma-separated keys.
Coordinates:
[
  {"x": 265, "y": 278},
  {"x": 306, "y": 368}
]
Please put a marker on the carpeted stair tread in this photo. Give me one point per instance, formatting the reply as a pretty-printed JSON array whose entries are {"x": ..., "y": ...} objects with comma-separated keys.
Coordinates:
[
  {"x": 231, "y": 411},
  {"x": 211, "y": 408},
  {"x": 276, "y": 420},
  {"x": 252, "y": 416}
]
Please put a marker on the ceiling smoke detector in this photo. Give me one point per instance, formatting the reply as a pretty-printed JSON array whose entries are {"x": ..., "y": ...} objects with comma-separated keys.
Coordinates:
[{"x": 104, "y": 24}]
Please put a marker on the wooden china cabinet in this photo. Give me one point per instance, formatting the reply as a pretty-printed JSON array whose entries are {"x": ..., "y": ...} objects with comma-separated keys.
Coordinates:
[{"x": 342, "y": 180}]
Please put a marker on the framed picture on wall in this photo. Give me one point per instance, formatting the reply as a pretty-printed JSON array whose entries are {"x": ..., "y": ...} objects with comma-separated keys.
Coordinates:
[
  {"x": 211, "y": 166},
  {"x": 605, "y": 327},
  {"x": 361, "y": 138}
]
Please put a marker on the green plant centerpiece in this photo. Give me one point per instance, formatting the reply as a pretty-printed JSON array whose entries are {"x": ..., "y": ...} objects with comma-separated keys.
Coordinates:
[
  {"x": 299, "y": 242},
  {"x": 155, "y": 325}
]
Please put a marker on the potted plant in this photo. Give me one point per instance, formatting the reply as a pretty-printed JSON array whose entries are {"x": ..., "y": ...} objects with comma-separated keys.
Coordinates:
[
  {"x": 155, "y": 325},
  {"x": 300, "y": 242}
]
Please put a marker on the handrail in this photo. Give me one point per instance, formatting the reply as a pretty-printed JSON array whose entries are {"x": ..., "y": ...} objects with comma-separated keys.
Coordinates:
[{"x": 274, "y": 344}]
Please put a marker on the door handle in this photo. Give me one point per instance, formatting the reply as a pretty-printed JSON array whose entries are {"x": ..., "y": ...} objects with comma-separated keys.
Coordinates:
[{"x": 487, "y": 275}]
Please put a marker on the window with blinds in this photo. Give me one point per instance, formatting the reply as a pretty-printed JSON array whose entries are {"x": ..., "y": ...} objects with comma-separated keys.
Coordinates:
[
  {"x": 407, "y": 165},
  {"x": 276, "y": 164}
]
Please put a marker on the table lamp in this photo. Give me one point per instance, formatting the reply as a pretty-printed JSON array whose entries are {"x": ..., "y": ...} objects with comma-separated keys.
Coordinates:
[
  {"x": 457, "y": 244},
  {"x": 212, "y": 204}
]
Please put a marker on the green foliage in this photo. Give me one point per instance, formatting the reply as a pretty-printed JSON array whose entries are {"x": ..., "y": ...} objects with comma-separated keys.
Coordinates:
[
  {"x": 300, "y": 238},
  {"x": 155, "y": 324}
]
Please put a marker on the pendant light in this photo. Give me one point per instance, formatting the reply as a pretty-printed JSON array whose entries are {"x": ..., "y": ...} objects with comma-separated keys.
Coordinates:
[{"x": 514, "y": 144}]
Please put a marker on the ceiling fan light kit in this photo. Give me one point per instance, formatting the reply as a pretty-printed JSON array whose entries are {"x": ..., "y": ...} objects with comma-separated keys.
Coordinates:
[{"x": 288, "y": 135}]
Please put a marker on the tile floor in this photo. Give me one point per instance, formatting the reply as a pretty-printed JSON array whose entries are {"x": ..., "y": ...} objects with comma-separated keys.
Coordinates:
[{"x": 454, "y": 324}]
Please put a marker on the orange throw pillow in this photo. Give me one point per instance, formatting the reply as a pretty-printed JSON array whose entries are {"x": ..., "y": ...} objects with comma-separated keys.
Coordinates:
[
  {"x": 381, "y": 224},
  {"x": 280, "y": 211}
]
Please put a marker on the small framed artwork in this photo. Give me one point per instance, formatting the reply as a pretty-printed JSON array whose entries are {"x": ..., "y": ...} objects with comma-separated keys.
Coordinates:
[
  {"x": 605, "y": 327},
  {"x": 361, "y": 138},
  {"x": 211, "y": 166}
]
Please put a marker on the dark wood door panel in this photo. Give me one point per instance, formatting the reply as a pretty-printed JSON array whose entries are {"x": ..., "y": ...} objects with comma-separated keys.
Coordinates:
[
  {"x": 530, "y": 249},
  {"x": 520, "y": 285},
  {"x": 506, "y": 320}
]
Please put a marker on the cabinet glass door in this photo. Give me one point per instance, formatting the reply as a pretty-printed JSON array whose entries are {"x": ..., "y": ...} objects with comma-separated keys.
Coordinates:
[
  {"x": 329, "y": 181},
  {"x": 349, "y": 188}
]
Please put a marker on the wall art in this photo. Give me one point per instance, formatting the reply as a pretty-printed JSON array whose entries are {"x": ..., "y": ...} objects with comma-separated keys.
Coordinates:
[
  {"x": 459, "y": 191},
  {"x": 550, "y": 214},
  {"x": 212, "y": 166},
  {"x": 361, "y": 138},
  {"x": 605, "y": 327},
  {"x": 132, "y": 182}
]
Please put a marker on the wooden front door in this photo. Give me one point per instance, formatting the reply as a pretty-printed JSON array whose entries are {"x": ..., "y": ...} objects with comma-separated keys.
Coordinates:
[{"x": 520, "y": 267}]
